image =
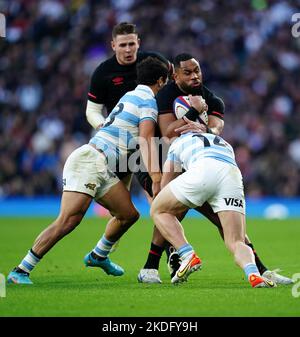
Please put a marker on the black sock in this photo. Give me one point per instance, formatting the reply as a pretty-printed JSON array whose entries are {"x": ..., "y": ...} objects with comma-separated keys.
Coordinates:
[
  {"x": 261, "y": 267},
  {"x": 19, "y": 270},
  {"x": 169, "y": 249},
  {"x": 97, "y": 257},
  {"x": 35, "y": 254},
  {"x": 153, "y": 257}
]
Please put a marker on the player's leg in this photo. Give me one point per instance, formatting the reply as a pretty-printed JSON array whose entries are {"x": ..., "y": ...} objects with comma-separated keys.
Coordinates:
[
  {"x": 233, "y": 224},
  {"x": 149, "y": 273},
  {"x": 73, "y": 207},
  {"x": 164, "y": 211},
  {"x": 117, "y": 200},
  {"x": 208, "y": 212},
  {"x": 126, "y": 178},
  {"x": 213, "y": 217},
  {"x": 81, "y": 180},
  {"x": 228, "y": 201}
]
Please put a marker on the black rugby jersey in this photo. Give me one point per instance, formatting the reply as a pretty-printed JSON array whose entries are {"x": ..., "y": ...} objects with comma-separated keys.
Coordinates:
[
  {"x": 166, "y": 96},
  {"x": 111, "y": 80}
]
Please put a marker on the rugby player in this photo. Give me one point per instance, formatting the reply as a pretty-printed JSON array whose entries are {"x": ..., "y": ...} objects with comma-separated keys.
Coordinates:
[
  {"x": 211, "y": 175},
  {"x": 188, "y": 80},
  {"x": 89, "y": 174}
]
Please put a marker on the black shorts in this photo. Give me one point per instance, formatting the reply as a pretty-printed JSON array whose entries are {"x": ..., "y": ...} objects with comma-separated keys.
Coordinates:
[
  {"x": 143, "y": 178},
  {"x": 145, "y": 181},
  {"x": 122, "y": 175}
]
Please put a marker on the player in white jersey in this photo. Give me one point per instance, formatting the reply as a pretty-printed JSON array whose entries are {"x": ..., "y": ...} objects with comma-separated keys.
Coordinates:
[
  {"x": 211, "y": 174},
  {"x": 88, "y": 174}
]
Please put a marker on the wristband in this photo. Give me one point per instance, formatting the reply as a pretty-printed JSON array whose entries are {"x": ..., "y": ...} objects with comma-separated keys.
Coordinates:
[{"x": 192, "y": 114}]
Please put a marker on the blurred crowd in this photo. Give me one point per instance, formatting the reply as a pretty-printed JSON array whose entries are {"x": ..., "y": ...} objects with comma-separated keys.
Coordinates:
[{"x": 248, "y": 56}]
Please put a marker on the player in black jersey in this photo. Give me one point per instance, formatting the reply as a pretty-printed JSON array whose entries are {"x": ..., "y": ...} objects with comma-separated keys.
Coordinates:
[
  {"x": 117, "y": 75},
  {"x": 113, "y": 78},
  {"x": 188, "y": 80}
]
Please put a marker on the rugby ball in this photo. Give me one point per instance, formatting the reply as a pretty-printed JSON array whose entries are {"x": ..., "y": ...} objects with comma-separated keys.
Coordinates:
[{"x": 181, "y": 105}]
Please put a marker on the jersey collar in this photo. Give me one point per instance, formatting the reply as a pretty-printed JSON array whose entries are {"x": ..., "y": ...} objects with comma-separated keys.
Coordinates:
[{"x": 145, "y": 88}]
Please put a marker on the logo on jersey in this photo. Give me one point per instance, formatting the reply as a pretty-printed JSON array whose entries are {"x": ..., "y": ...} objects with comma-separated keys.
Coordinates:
[
  {"x": 90, "y": 186},
  {"x": 234, "y": 202},
  {"x": 118, "y": 80}
]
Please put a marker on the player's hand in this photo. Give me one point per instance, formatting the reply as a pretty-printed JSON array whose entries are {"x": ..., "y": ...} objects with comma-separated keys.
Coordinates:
[
  {"x": 191, "y": 126},
  {"x": 99, "y": 127},
  {"x": 155, "y": 189},
  {"x": 198, "y": 102}
]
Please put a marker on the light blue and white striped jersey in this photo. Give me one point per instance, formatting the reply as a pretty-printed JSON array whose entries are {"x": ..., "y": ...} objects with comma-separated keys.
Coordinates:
[
  {"x": 117, "y": 139},
  {"x": 189, "y": 149}
]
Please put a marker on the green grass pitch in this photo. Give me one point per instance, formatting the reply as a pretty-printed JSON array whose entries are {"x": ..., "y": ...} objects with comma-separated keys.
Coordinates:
[{"x": 63, "y": 286}]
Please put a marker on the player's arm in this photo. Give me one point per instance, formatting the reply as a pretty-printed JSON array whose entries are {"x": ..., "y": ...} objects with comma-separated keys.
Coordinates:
[
  {"x": 169, "y": 124},
  {"x": 95, "y": 109},
  {"x": 215, "y": 119},
  {"x": 149, "y": 152},
  {"x": 215, "y": 124},
  {"x": 95, "y": 114},
  {"x": 171, "y": 170},
  {"x": 216, "y": 109}
]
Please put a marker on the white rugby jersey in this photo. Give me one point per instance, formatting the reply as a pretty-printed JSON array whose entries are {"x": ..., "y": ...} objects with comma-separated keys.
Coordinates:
[
  {"x": 117, "y": 139},
  {"x": 189, "y": 149}
]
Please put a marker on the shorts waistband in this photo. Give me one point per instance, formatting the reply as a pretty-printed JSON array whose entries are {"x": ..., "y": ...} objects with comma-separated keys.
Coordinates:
[{"x": 98, "y": 150}]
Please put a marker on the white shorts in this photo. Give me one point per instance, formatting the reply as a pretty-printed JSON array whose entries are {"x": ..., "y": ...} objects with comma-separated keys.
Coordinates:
[
  {"x": 214, "y": 181},
  {"x": 86, "y": 171}
]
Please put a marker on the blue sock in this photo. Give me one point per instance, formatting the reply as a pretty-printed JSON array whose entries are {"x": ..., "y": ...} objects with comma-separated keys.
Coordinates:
[
  {"x": 29, "y": 262},
  {"x": 251, "y": 268},
  {"x": 185, "y": 250},
  {"x": 103, "y": 247}
]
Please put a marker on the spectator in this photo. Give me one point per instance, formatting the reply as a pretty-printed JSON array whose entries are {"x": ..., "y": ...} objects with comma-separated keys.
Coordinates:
[{"x": 248, "y": 57}]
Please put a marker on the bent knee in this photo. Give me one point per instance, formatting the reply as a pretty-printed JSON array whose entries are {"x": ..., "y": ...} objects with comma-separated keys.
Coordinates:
[
  {"x": 152, "y": 211},
  {"x": 134, "y": 216},
  {"x": 130, "y": 217},
  {"x": 65, "y": 224},
  {"x": 155, "y": 208}
]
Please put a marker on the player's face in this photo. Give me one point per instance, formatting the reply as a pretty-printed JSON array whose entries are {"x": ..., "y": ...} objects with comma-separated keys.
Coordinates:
[
  {"x": 188, "y": 77},
  {"x": 126, "y": 47}
]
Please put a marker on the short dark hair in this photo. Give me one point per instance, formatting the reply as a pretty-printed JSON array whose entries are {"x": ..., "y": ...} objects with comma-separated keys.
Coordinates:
[
  {"x": 124, "y": 28},
  {"x": 150, "y": 70},
  {"x": 180, "y": 58}
]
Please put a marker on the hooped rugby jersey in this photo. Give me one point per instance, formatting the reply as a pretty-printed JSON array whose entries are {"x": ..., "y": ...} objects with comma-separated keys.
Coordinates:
[
  {"x": 118, "y": 138},
  {"x": 189, "y": 149}
]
